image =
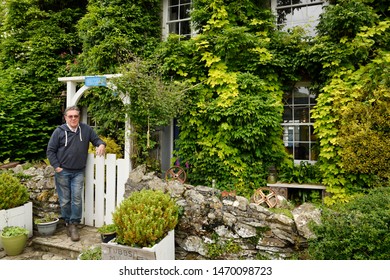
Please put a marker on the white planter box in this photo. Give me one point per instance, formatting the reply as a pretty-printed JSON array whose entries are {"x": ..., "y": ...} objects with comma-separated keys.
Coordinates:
[
  {"x": 164, "y": 250},
  {"x": 21, "y": 216}
]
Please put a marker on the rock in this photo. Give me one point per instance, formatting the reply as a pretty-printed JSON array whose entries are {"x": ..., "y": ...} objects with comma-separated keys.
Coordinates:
[{"x": 303, "y": 215}]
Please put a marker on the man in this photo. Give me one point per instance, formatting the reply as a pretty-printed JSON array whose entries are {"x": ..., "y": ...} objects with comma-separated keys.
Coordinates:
[{"x": 67, "y": 152}]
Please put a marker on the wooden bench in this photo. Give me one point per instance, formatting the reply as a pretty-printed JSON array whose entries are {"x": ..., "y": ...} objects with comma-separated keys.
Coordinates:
[{"x": 282, "y": 188}]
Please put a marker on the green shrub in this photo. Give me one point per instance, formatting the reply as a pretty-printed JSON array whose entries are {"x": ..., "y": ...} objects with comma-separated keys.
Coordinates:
[
  {"x": 358, "y": 230},
  {"x": 12, "y": 192},
  {"x": 111, "y": 147},
  {"x": 144, "y": 218}
]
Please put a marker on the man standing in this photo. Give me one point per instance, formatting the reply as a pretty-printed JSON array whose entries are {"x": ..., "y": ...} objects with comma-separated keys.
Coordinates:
[{"x": 67, "y": 152}]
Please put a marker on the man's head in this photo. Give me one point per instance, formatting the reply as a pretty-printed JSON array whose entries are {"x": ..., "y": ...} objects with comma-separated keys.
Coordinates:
[{"x": 72, "y": 116}]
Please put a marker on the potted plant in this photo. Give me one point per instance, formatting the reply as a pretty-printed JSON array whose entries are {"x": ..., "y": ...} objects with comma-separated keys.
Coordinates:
[
  {"x": 15, "y": 207},
  {"x": 107, "y": 232},
  {"x": 14, "y": 239},
  {"x": 145, "y": 223},
  {"x": 47, "y": 225}
]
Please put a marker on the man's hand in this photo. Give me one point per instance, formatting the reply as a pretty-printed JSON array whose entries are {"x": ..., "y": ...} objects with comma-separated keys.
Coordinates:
[{"x": 101, "y": 150}]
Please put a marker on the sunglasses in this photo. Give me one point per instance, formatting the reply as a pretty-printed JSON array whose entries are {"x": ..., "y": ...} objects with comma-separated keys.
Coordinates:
[{"x": 73, "y": 116}]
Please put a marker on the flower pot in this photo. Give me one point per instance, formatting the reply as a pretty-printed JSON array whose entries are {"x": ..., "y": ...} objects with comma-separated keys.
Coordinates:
[
  {"x": 47, "y": 229},
  {"x": 164, "y": 250},
  {"x": 14, "y": 245}
]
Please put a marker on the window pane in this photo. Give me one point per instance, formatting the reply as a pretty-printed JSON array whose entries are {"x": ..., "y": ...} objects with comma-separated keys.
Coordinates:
[
  {"x": 288, "y": 133},
  {"x": 299, "y": 15},
  {"x": 173, "y": 27},
  {"x": 301, "y": 114},
  {"x": 287, "y": 114},
  {"x": 185, "y": 1},
  {"x": 304, "y": 133},
  {"x": 174, "y": 13},
  {"x": 302, "y": 151},
  {"x": 173, "y": 2},
  {"x": 301, "y": 95},
  {"x": 314, "y": 13},
  {"x": 185, "y": 28},
  {"x": 185, "y": 11}
]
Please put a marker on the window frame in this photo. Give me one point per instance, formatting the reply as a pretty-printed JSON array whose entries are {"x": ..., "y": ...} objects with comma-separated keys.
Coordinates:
[
  {"x": 308, "y": 23},
  {"x": 298, "y": 125},
  {"x": 166, "y": 21}
]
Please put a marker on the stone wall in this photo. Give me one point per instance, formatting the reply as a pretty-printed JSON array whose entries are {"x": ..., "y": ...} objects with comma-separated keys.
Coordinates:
[
  {"x": 212, "y": 225},
  {"x": 40, "y": 182},
  {"x": 217, "y": 226}
]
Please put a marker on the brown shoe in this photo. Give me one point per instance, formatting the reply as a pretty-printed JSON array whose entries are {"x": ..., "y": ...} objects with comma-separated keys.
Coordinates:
[
  {"x": 73, "y": 232},
  {"x": 67, "y": 230}
]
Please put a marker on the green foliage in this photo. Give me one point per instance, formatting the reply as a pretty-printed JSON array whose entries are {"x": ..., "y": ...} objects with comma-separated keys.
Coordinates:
[
  {"x": 358, "y": 230},
  {"x": 345, "y": 19},
  {"x": 303, "y": 173},
  {"x": 38, "y": 40},
  {"x": 14, "y": 231},
  {"x": 107, "y": 228},
  {"x": 46, "y": 218},
  {"x": 219, "y": 249},
  {"x": 144, "y": 218},
  {"x": 112, "y": 32},
  {"x": 94, "y": 253},
  {"x": 12, "y": 192},
  {"x": 154, "y": 103},
  {"x": 106, "y": 110},
  {"x": 299, "y": 196},
  {"x": 352, "y": 62},
  {"x": 111, "y": 147},
  {"x": 364, "y": 124},
  {"x": 231, "y": 129},
  {"x": 110, "y": 29}
]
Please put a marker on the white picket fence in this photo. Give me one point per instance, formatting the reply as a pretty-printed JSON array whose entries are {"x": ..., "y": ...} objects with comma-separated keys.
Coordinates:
[{"x": 105, "y": 179}]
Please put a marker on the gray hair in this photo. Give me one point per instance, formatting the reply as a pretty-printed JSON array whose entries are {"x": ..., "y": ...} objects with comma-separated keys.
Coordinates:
[{"x": 72, "y": 108}]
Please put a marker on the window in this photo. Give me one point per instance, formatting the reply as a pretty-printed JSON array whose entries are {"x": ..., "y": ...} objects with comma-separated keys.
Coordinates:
[
  {"x": 297, "y": 123},
  {"x": 176, "y": 17},
  {"x": 291, "y": 13}
]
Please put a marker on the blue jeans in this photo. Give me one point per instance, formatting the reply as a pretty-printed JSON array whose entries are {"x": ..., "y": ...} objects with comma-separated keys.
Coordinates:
[{"x": 70, "y": 186}]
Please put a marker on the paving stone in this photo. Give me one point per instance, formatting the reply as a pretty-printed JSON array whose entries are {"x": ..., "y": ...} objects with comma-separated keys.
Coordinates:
[{"x": 58, "y": 246}]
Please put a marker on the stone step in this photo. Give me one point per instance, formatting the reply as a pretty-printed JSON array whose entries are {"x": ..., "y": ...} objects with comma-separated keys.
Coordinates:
[
  {"x": 61, "y": 244},
  {"x": 58, "y": 246}
]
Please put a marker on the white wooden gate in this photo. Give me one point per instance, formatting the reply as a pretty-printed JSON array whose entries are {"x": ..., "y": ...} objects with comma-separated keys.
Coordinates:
[{"x": 105, "y": 179}]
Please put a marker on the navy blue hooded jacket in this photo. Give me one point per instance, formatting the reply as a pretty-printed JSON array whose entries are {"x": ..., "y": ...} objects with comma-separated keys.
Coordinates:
[{"x": 68, "y": 149}]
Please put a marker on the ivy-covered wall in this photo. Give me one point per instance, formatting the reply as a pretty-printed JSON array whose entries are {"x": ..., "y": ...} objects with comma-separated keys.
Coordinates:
[{"x": 235, "y": 72}]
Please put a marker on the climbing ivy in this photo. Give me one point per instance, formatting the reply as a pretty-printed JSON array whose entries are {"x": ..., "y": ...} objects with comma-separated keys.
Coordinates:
[
  {"x": 231, "y": 129},
  {"x": 351, "y": 109},
  {"x": 38, "y": 38},
  {"x": 112, "y": 33}
]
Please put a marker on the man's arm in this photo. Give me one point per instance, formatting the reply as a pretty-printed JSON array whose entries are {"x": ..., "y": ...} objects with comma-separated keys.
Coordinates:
[{"x": 51, "y": 151}]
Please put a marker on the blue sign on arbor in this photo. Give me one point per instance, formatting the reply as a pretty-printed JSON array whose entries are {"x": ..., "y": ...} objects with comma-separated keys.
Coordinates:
[{"x": 95, "y": 81}]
